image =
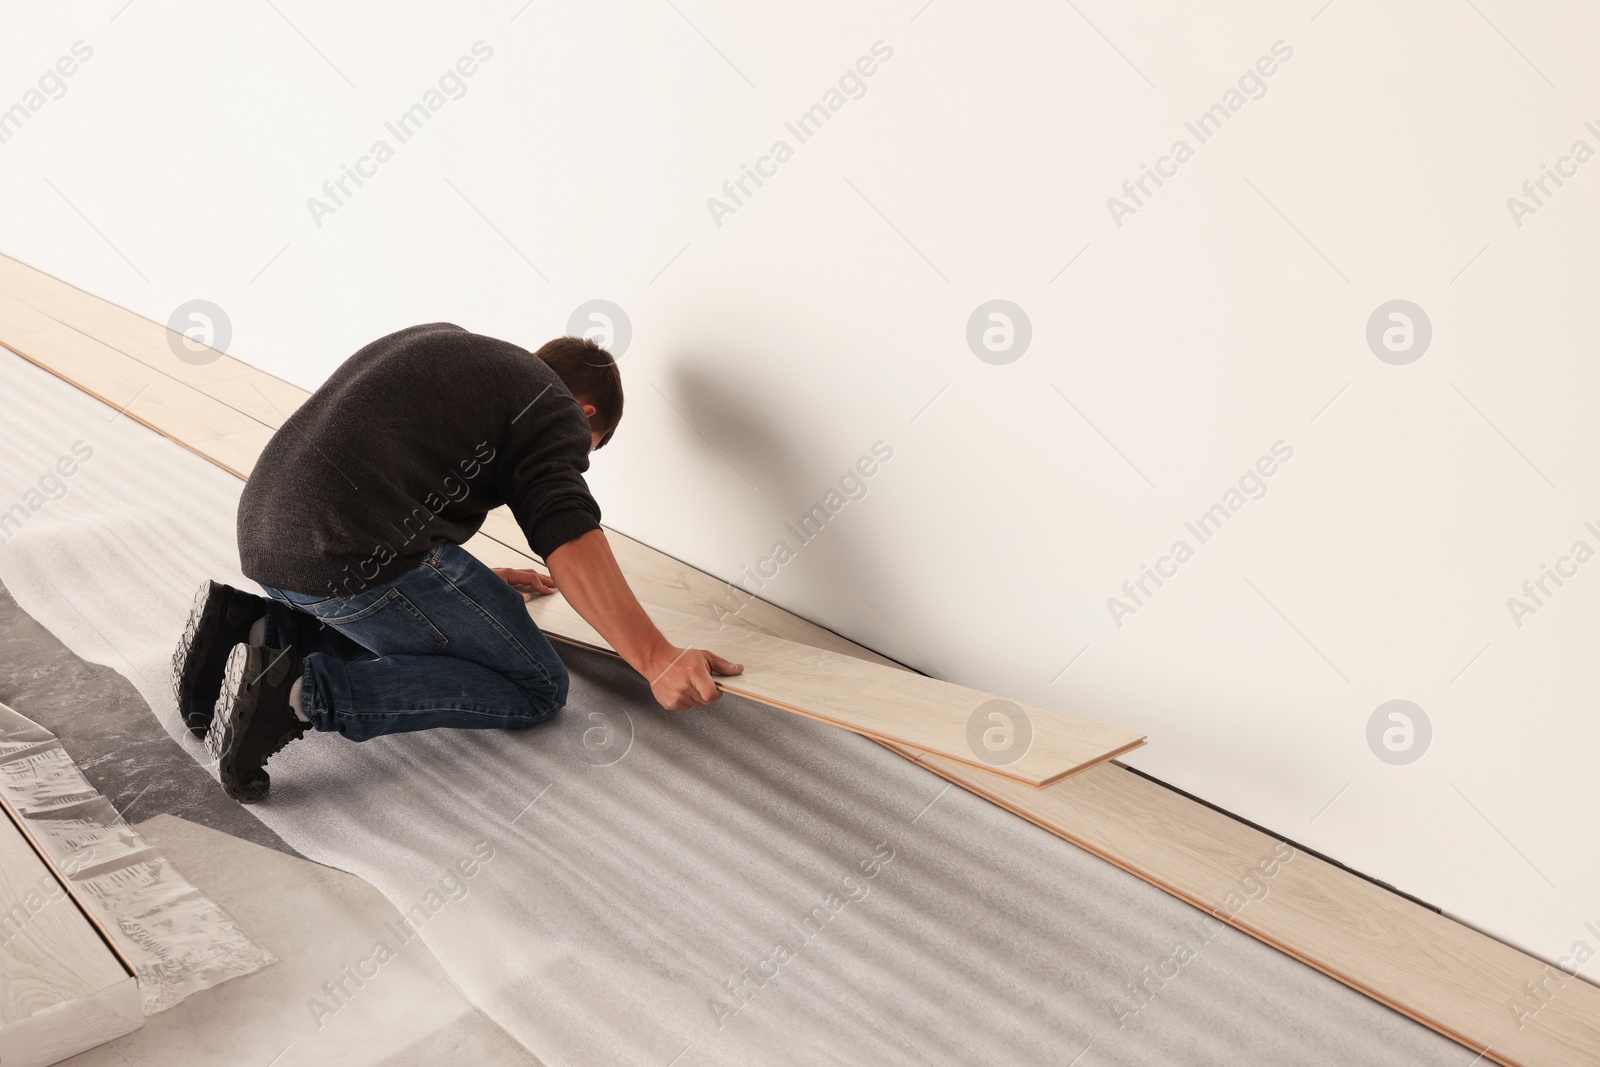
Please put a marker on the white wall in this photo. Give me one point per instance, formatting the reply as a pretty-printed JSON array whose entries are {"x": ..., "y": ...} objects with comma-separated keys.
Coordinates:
[{"x": 1227, "y": 313}]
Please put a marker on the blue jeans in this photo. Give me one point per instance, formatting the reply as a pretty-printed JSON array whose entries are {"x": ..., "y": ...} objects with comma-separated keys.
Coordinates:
[{"x": 447, "y": 644}]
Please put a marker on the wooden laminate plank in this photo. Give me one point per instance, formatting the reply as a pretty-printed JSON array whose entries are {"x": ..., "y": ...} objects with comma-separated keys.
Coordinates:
[
  {"x": 168, "y": 406},
  {"x": 1041, "y": 747},
  {"x": 493, "y": 553},
  {"x": 221, "y": 433},
  {"x": 130, "y": 333},
  {"x": 249, "y": 390},
  {"x": 235, "y": 452},
  {"x": 49, "y": 952},
  {"x": 17, "y": 318},
  {"x": 264, "y": 398}
]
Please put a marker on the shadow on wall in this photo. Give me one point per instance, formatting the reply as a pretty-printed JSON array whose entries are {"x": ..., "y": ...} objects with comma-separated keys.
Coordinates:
[{"x": 807, "y": 510}]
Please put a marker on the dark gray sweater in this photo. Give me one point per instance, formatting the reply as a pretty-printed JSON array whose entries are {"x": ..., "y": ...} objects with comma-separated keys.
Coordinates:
[{"x": 408, "y": 445}]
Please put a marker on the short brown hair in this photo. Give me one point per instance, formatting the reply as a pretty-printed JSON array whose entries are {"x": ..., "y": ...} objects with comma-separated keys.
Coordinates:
[{"x": 590, "y": 374}]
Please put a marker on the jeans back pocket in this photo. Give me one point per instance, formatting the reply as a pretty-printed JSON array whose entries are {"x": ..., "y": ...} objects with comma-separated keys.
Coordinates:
[{"x": 390, "y": 626}]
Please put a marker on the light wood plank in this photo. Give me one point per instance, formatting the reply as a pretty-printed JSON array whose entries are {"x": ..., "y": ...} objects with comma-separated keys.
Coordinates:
[
  {"x": 133, "y": 334},
  {"x": 177, "y": 410},
  {"x": 264, "y": 398},
  {"x": 492, "y": 553},
  {"x": 235, "y": 452},
  {"x": 17, "y": 318},
  {"x": 49, "y": 952},
  {"x": 57, "y": 1034},
  {"x": 261, "y": 396},
  {"x": 877, "y": 701}
]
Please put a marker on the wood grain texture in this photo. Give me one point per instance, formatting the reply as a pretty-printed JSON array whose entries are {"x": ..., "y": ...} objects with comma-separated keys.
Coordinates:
[
  {"x": 1364, "y": 936},
  {"x": 17, "y": 318},
  {"x": 57, "y": 1034},
  {"x": 235, "y": 452},
  {"x": 50, "y": 954},
  {"x": 157, "y": 400}
]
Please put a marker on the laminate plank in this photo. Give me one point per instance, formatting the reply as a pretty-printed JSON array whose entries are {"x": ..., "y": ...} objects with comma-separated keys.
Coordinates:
[
  {"x": 172, "y": 408},
  {"x": 17, "y": 318},
  {"x": 235, "y": 452},
  {"x": 49, "y": 952},
  {"x": 1043, "y": 747},
  {"x": 260, "y": 395},
  {"x": 264, "y": 398},
  {"x": 133, "y": 334}
]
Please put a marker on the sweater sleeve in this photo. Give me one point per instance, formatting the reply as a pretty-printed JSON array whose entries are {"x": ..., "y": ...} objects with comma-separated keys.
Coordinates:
[{"x": 541, "y": 473}]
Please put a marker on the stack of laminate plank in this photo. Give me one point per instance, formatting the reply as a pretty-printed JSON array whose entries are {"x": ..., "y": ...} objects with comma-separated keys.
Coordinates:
[{"x": 62, "y": 988}]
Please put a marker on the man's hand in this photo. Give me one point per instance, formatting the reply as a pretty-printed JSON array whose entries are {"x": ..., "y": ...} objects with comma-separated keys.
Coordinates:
[
  {"x": 593, "y": 584},
  {"x": 680, "y": 678},
  {"x": 529, "y": 583}
]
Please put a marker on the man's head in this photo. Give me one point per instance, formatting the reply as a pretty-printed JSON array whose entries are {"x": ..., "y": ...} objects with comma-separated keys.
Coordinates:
[{"x": 590, "y": 374}]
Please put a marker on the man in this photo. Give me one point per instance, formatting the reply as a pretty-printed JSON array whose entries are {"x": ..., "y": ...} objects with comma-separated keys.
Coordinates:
[{"x": 376, "y": 621}]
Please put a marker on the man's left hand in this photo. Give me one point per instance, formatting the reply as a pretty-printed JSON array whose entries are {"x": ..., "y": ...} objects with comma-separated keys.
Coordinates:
[{"x": 529, "y": 583}]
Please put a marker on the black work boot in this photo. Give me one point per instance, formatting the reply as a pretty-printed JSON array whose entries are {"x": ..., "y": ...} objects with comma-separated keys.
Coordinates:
[
  {"x": 221, "y": 618},
  {"x": 254, "y": 720}
]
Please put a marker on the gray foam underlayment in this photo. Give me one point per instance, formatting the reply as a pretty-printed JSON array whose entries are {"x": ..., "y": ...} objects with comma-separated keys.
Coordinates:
[{"x": 625, "y": 895}]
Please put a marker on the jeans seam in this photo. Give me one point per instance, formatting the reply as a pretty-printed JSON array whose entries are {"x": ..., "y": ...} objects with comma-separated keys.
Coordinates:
[
  {"x": 440, "y": 641},
  {"x": 280, "y": 597},
  {"x": 362, "y": 613},
  {"x": 506, "y": 635}
]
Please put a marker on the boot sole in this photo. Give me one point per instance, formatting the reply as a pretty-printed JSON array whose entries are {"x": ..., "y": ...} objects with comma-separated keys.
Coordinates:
[
  {"x": 195, "y": 687},
  {"x": 232, "y": 720},
  {"x": 235, "y": 715}
]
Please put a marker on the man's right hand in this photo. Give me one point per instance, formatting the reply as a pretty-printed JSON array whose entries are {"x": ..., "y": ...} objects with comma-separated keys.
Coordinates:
[
  {"x": 682, "y": 677},
  {"x": 588, "y": 576}
]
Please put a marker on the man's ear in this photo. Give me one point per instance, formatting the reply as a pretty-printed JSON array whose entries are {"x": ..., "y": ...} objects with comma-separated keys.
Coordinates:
[{"x": 588, "y": 410}]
